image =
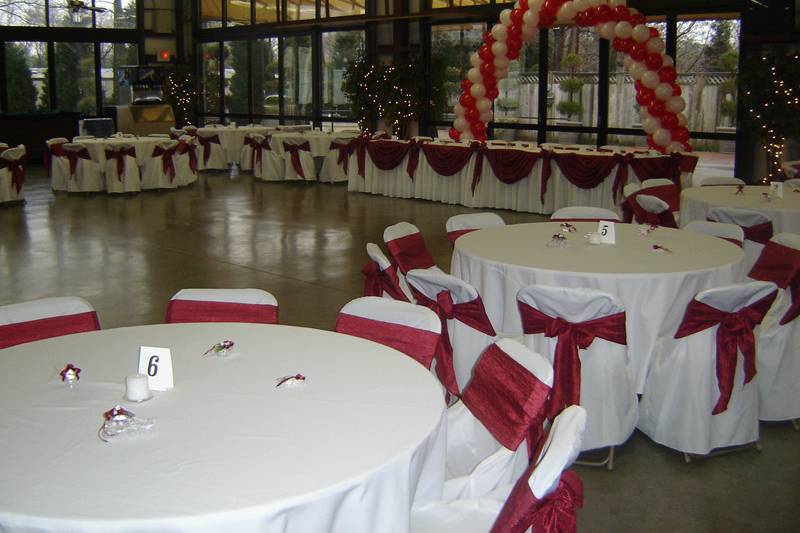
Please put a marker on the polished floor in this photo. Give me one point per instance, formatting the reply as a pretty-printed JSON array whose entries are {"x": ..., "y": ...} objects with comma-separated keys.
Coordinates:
[{"x": 305, "y": 243}]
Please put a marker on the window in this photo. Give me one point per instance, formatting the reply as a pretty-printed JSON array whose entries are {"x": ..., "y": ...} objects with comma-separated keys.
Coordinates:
[
  {"x": 437, "y": 4},
  {"x": 297, "y": 75},
  {"x": 209, "y": 90},
  {"x": 61, "y": 15},
  {"x": 266, "y": 11},
  {"x": 265, "y": 81},
  {"x": 451, "y": 47},
  {"x": 112, "y": 57},
  {"x": 300, "y": 9},
  {"x": 26, "y": 76},
  {"x": 342, "y": 8},
  {"x": 27, "y": 13},
  {"x": 118, "y": 14},
  {"x": 210, "y": 13},
  {"x": 238, "y": 12},
  {"x": 518, "y": 98},
  {"x": 572, "y": 77},
  {"x": 237, "y": 83},
  {"x": 338, "y": 50},
  {"x": 75, "y": 71}
]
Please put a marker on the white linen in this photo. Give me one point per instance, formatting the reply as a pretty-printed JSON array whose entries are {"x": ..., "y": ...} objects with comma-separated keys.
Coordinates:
[
  {"x": 696, "y": 203},
  {"x": 350, "y": 451},
  {"x": 8, "y": 190},
  {"x": 232, "y": 138},
  {"x": 43, "y": 308},
  {"x": 318, "y": 141},
  {"x": 654, "y": 287},
  {"x": 143, "y": 145}
]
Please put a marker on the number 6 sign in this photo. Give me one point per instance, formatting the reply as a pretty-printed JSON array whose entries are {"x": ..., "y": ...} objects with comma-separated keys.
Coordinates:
[{"x": 156, "y": 364}]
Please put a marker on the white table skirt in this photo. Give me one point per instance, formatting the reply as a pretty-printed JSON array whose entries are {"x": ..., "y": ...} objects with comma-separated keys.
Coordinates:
[
  {"x": 143, "y": 145},
  {"x": 655, "y": 287},
  {"x": 696, "y": 203},
  {"x": 348, "y": 452}
]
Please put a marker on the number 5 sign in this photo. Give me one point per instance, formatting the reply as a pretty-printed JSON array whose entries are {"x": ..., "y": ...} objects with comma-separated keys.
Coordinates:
[
  {"x": 156, "y": 364},
  {"x": 607, "y": 233}
]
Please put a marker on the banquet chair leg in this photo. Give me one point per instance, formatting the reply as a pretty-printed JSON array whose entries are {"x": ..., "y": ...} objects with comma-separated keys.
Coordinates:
[
  {"x": 723, "y": 451},
  {"x": 608, "y": 462},
  {"x": 796, "y": 424},
  {"x": 687, "y": 458}
]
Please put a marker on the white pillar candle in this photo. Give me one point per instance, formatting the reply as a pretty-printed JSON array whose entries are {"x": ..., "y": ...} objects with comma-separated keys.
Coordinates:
[{"x": 137, "y": 388}]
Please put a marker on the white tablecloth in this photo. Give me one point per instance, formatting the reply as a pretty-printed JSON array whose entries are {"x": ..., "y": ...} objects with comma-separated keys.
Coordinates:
[
  {"x": 232, "y": 138},
  {"x": 143, "y": 146},
  {"x": 783, "y": 212},
  {"x": 318, "y": 141},
  {"x": 655, "y": 287},
  {"x": 229, "y": 452}
]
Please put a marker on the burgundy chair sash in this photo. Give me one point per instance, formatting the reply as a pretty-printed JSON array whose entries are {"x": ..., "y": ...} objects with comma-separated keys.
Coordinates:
[
  {"x": 668, "y": 193},
  {"x": 632, "y": 210},
  {"x": 202, "y": 311},
  {"x": 508, "y": 165},
  {"x": 344, "y": 150},
  {"x": 53, "y": 150},
  {"x": 73, "y": 156},
  {"x": 167, "y": 164},
  {"x": 294, "y": 152},
  {"x": 416, "y": 343},
  {"x": 206, "y": 143},
  {"x": 377, "y": 281},
  {"x": 555, "y": 513},
  {"x": 17, "y": 169},
  {"x": 387, "y": 154},
  {"x": 735, "y": 333},
  {"x": 45, "y": 328},
  {"x": 119, "y": 155},
  {"x": 760, "y": 233},
  {"x": 780, "y": 265},
  {"x": 257, "y": 152},
  {"x": 191, "y": 150},
  {"x": 508, "y": 400},
  {"x": 409, "y": 252},
  {"x": 453, "y": 236},
  {"x": 473, "y": 314},
  {"x": 571, "y": 338}
]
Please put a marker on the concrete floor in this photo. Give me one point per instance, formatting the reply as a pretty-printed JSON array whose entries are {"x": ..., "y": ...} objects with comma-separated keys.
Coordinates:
[{"x": 305, "y": 244}]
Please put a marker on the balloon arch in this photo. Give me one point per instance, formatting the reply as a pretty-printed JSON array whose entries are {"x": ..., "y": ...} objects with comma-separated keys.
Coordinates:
[{"x": 657, "y": 94}]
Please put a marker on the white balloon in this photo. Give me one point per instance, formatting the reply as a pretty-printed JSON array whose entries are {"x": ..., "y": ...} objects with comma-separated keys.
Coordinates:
[
  {"x": 662, "y": 137},
  {"x": 663, "y": 91},
  {"x": 477, "y": 90},
  {"x": 466, "y": 137},
  {"x": 531, "y": 17},
  {"x": 483, "y": 104},
  {"x": 474, "y": 75},
  {"x": 580, "y": 5},
  {"x": 627, "y": 62},
  {"x": 505, "y": 17},
  {"x": 535, "y": 5},
  {"x": 607, "y": 29},
  {"x": 500, "y": 73},
  {"x": 667, "y": 61},
  {"x": 675, "y": 147},
  {"x": 501, "y": 62},
  {"x": 499, "y": 32},
  {"x": 460, "y": 124},
  {"x": 487, "y": 116},
  {"x": 623, "y": 29},
  {"x": 650, "y": 125},
  {"x": 595, "y": 3},
  {"x": 641, "y": 33},
  {"x": 644, "y": 114},
  {"x": 676, "y": 104},
  {"x": 566, "y": 12},
  {"x": 682, "y": 120},
  {"x": 458, "y": 110},
  {"x": 638, "y": 69},
  {"x": 475, "y": 60},
  {"x": 656, "y": 45},
  {"x": 617, "y": 2},
  {"x": 650, "y": 79},
  {"x": 499, "y": 49},
  {"x": 529, "y": 33}
]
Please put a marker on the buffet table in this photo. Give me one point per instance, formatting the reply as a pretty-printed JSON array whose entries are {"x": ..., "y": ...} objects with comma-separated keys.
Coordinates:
[
  {"x": 783, "y": 212},
  {"x": 654, "y": 285},
  {"x": 349, "y": 451}
]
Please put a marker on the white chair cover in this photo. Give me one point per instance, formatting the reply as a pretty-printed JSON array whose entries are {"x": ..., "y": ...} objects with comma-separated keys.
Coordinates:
[
  {"x": 608, "y": 391},
  {"x": 58, "y": 180},
  {"x": 332, "y": 171},
  {"x": 743, "y": 218},
  {"x": 154, "y": 175},
  {"x": 88, "y": 175},
  {"x": 130, "y": 180},
  {"x": 184, "y": 175},
  {"x": 25, "y": 322},
  {"x": 248, "y": 305},
  {"x": 272, "y": 165},
  {"x": 402, "y": 251},
  {"x": 8, "y": 189},
  {"x": 630, "y": 188},
  {"x": 376, "y": 254},
  {"x": 656, "y": 182},
  {"x": 584, "y": 213},
  {"x": 460, "y": 224},
  {"x": 652, "y": 204},
  {"x": 681, "y": 389},
  {"x": 720, "y": 180},
  {"x": 306, "y": 162},
  {"x": 216, "y": 159},
  {"x": 716, "y": 229}
]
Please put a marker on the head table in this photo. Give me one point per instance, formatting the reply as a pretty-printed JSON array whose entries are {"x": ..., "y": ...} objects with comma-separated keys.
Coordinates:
[
  {"x": 349, "y": 451},
  {"x": 655, "y": 286},
  {"x": 696, "y": 203}
]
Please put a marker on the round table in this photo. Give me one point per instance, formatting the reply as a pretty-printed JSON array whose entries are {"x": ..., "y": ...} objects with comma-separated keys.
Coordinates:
[
  {"x": 232, "y": 138},
  {"x": 654, "y": 286},
  {"x": 783, "y": 212},
  {"x": 350, "y": 451}
]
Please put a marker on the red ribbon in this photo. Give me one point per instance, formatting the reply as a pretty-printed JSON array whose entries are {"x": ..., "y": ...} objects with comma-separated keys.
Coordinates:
[
  {"x": 453, "y": 236},
  {"x": 17, "y": 169},
  {"x": 202, "y": 311},
  {"x": 73, "y": 156},
  {"x": 256, "y": 153},
  {"x": 45, "y": 328},
  {"x": 472, "y": 314},
  {"x": 571, "y": 338},
  {"x": 119, "y": 155},
  {"x": 508, "y": 165},
  {"x": 555, "y": 513},
  {"x": 416, "y": 343},
  {"x": 206, "y": 143},
  {"x": 50, "y": 151},
  {"x": 780, "y": 265},
  {"x": 760, "y": 233},
  {"x": 735, "y": 333},
  {"x": 294, "y": 151},
  {"x": 191, "y": 149},
  {"x": 344, "y": 150},
  {"x": 377, "y": 281},
  {"x": 387, "y": 154},
  {"x": 409, "y": 253},
  {"x": 167, "y": 165}
]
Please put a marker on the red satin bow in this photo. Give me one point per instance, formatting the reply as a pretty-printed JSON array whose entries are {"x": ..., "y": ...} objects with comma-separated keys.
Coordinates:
[
  {"x": 17, "y": 169},
  {"x": 294, "y": 152},
  {"x": 191, "y": 149},
  {"x": 735, "y": 333},
  {"x": 344, "y": 150},
  {"x": 780, "y": 265},
  {"x": 571, "y": 338},
  {"x": 206, "y": 143},
  {"x": 120, "y": 155},
  {"x": 167, "y": 164},
  {"x": 73, "y": 156},
  {"x": 257, "y": 152},
  {"x": 409, "y": 252},
  {"x": 377, "y": 281}
]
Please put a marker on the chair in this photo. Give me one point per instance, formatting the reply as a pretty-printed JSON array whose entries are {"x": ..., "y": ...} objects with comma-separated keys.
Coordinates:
[
  {"x": 464, "y": 320},
  {"x": 122, "y": 172},
  {"x": 778, "y": 343},
  {"x": 53, "y": 148},
  {"x": 656, "y": 182},
  {"x": 697, "y": 397},
  {"x": 336, "y": 163},
  {"x": 459, "y": 225},
  {"x": 222, "y": 305},
  {"x": 582, "y": 332},
  {"x": 211, "y": 154},
  {"x": 251, "y": 151},
  {"x": 175, "y": 134},
  {"x": 77, "y": 169},
  {"x": 648, "y": 209},
  {"x": 79, "y": 138},
  {"x": 504, "y": 404},
  {"x": 159, "y": 170},
  {"x": 187, "y": 160},
  {"x": 408, "y": 328},
  {"x": 266, "y": 164},
  {"x": 407, "y": 247},
  {"x": 630, "y": 188},
  {"x": 382, "y": 279},
  {"x": 729, "y": 232},
  {"x": 12, "y": 174},
  {"x": 45, "y": 318},
  {"x": 793, "y": 183},
  {"x": 544, "y": 498},
  {"x": 757, "y": 230},
  {"x": 720, "y": 180},
  {"x": 299, "y": 163},
  {"x": 585, "y": 213}
]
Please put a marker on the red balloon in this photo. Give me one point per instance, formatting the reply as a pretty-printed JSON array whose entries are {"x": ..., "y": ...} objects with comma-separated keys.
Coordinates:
[
  {"x": 465, "y": 85},
  {"x": 454, "y": 134},
  {"x": 645, "y": 97},
  {"x": 582, "y": 20},
  {"x": 622, "y": 45},
  {"x": 637, "y": 19},
  {"x": 604, "y": 13},
  {"x": 513, "y": 53},
  {"x": 653, "y": 31},
  {"x": 654, "y": 61},
  {"x": 551, "y": 7},
  {"x": 638, "y": 85},
  {"x": 667, "y": 74},
  {"x": 478, "y": 129},
  {"x": 514, "y": 32},
  {"x": 467, "y": 101},
  {"x": 516, "y": 16},
  {"x": 669, "y": 121},
  {"x": 591, "y": 16},
  {"x": 514, "y": 43},
  {"x": 472, "y": 115},
  {"x": 523, "y": 5},
  {"x": 490, "y": 82},
  {"x": 680, "y": 134},
  {"x": 638, "y": 51},
  {"x": 687, "y": 147},
  {"x": 485, "y": 53},
  {"x": 491, "y": 93},
  {"x": 489, "y": 39},
  {"x": 676, "y": 90},
  {"x": 656, "y": 109},
  {"x": 620, "y": 13},
  {"x": 650, "y": 142},
  {"x": 486, "y": 70}
]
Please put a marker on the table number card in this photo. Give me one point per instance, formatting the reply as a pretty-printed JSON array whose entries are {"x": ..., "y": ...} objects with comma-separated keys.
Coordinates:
[
  {"x": 607, "y": 232},
  {"x": 776, "y": 189},
  {"x": 156, "y": 364}
]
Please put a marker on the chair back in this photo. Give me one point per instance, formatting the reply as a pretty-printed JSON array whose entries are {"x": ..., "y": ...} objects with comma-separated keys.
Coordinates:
[
  {"x": 756, "y": 227},
  {"x": 585, "y": 213},
  {"x": 729, "y": 232},
  {"x": 779, "y": 263},
  {"x": 382, "y": 279},
  {"x": 630, "y": 188},
  {"x": 656, "y": 182},
  {"x": 407, "y": 247},
  {"x": 653, "y": 210},
  {"x": 13, "y": 154},
  {"x": 222, "y": 305},
  {"x": 45, "y": 318},
  {"x": 459, "y": 225}
]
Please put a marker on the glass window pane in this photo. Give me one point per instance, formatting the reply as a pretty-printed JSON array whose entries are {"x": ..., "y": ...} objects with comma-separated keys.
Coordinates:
[
  {"x": 436, "y": 4},
  {"x": 623, "y": 111},
  {"x": 209, "y": 91},
  {"x": 300, "y": 9},
  {"x": 26, "y": 76},
  {"x": 265, "y": 77},
  {"x": 237, "y": 84},
  {"x": 528, "y": 136},
  {"x": 518, "y": 99},
  {"x": 297, "y": 75},
  {"x": 210, "y": 13},
  {"x": 74, "y": 63},
  {"x": 238, "y": 12},
  {"x": 63, "y": 16},
  {"x": 451, "y": 46},
  {"x": 27, "y": 13},
  {"x": 572, "y": 79},
  {"x": 112, "y": 57},
  {"x": 342, "y": 8},
  {"x": 118, "y": 14},
  {"x": 266, "y": 11},
  {"x": 339, "y": 49}
]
